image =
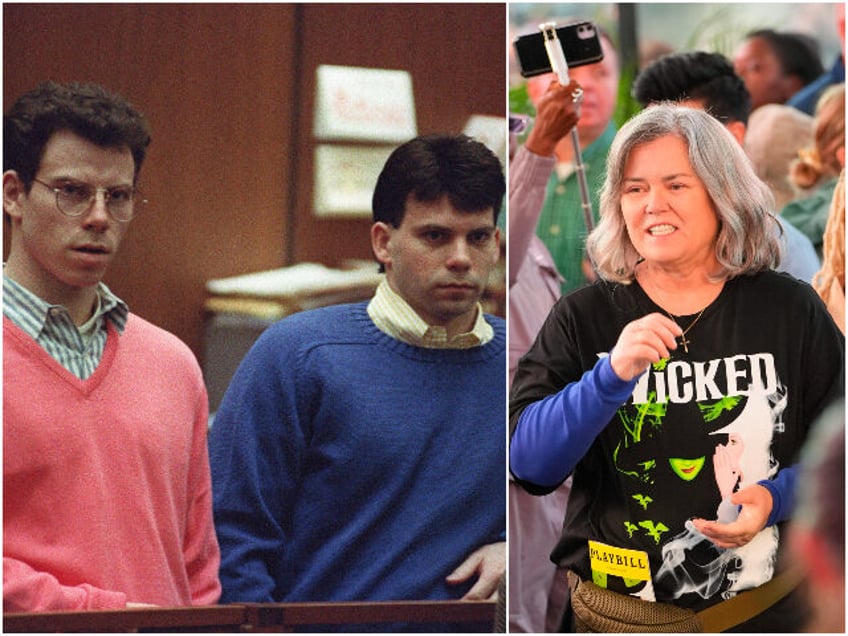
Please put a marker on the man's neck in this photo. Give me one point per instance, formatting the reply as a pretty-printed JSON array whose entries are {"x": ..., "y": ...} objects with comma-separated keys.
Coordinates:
[
  {"x": 398, "y": 318},
  {"x": 80, "y": 302}
]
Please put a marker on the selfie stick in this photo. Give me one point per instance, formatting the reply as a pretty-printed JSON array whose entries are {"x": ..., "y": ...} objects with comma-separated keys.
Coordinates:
[{"x": 560, "y": 67}]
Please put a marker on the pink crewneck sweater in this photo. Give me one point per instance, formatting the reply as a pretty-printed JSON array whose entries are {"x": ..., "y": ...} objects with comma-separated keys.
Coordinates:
[{"x": 106, "y": 488}]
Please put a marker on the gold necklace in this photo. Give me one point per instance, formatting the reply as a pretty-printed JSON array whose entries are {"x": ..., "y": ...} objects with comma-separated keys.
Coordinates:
[{"x": 683, "y": 341}]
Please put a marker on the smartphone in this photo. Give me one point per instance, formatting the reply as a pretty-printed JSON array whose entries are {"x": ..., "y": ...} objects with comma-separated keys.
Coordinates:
[{"x": 580, "y": 44}]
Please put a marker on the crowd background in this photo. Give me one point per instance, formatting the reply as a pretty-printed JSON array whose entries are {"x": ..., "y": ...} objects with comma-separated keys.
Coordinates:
[{"x": 645, "y": 30}]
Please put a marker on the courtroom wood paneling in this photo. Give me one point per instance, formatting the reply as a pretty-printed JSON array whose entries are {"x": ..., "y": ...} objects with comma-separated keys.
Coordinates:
[
  {"x": 215, "y": 82},
  {"x": 456, "y": 54},
  {"x": 228, "y": 91}
]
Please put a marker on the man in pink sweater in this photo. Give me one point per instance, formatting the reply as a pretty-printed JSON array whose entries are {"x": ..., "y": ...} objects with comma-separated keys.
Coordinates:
[{"x": 106, "y": 487}]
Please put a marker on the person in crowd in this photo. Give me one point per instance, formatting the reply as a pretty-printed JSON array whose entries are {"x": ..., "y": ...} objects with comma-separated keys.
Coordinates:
[
  {"x": 698, "y": 79},
  {"x": 652, "y": 50},
  {"x": 562, "y": 226},
  {"x": 534, "y": 282},
  {"x": 677, "y": 390},
  {"x": 534, "y": 287},
  {"x": 816, "y": 169},
  {"x": 358, "y": 453},
  {"x": 776, "y": 132},
  {"x": 106, "y": 485},
  {"x": 817, "y": 531},
  {"x": 707, "y": 81},
  {"x": 806, "y": 99},
  {"x": 776, "y": 65},
  {"x": 829, "y": 282}
]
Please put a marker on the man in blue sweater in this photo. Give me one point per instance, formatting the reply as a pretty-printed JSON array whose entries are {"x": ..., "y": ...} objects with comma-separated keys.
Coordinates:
[{"x": 359, "y": 451}]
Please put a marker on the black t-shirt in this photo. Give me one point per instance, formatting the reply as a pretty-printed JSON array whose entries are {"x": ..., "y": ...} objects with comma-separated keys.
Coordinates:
[{"x": 763, "y": 361}]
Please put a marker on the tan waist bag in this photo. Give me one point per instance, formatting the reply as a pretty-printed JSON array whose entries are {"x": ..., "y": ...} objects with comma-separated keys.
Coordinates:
[{"x": 597, "y": 610}]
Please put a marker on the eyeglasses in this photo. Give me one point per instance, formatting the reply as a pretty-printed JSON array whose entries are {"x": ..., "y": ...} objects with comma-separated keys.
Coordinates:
[{"x": 74, "y": 199}]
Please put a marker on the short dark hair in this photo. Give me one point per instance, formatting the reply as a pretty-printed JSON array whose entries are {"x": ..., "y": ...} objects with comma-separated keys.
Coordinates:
[
  {"x": 432, "y": 166},
  {"x": 797, "y": 53},
  {"x": 88, "y": 110},
  {"x": 697, "y": 75}
]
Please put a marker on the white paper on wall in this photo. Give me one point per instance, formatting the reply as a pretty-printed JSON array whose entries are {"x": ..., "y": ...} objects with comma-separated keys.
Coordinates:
[{"x": 364, "y": 104}]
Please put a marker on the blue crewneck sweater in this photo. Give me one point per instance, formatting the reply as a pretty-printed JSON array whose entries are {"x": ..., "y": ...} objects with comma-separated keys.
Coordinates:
[{"x": 348, "y": 465}]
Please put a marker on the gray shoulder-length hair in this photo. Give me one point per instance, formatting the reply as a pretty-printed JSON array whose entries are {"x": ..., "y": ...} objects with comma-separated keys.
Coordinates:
[{"x": 747, "y": 242}]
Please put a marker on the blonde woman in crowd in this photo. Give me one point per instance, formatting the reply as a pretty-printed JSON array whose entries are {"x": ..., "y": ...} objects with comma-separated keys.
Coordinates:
[
  {"x": 816, "y": 170},
  {"x": 830, "y": 281}
]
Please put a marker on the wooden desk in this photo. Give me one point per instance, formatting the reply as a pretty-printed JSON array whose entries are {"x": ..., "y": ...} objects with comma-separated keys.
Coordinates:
[
  {"x": 475, "y": 616},
  {"x": 220, "y": 618}
]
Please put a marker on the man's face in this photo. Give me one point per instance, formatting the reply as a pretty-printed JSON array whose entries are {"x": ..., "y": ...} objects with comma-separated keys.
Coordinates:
[
  {"x": 439, "y": 260},
  {"x": 599, "y": 82},
  {"x": 54, "y": 255},
  {"x": 600, "y": 93}
]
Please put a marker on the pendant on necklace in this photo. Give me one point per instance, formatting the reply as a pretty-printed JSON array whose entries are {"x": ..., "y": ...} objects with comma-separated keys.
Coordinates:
[{"x": 684, "y": 342}]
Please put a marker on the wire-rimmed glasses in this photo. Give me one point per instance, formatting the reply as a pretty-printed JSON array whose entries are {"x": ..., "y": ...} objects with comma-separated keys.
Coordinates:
[{"x": 74, "y": 198}]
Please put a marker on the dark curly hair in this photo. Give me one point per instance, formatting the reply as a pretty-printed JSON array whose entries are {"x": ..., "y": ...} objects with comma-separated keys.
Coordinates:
[
  {"x": 88, "y": 110},
  {"x": 697, "y": 75}
]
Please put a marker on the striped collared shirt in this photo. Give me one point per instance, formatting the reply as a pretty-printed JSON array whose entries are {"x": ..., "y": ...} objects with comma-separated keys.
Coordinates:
[
  {"x": 78, "y": 349},
  {"x": 395, "y": 317}
]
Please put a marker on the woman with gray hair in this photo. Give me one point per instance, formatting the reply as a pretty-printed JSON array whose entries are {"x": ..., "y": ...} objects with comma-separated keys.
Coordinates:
[
  {"x": 677, "y": 391},
  {"x": 745, "y": 242}
]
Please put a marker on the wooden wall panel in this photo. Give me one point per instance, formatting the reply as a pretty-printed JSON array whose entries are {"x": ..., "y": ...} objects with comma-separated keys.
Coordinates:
[
  {"x": 228, "y": 91},
  {"x": 456, "y": 55},
  {"x": 215, "y": 82}
]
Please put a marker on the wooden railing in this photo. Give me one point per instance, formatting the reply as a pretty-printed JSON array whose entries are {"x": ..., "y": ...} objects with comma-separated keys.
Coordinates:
[{"x": 472, "y": 616}]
